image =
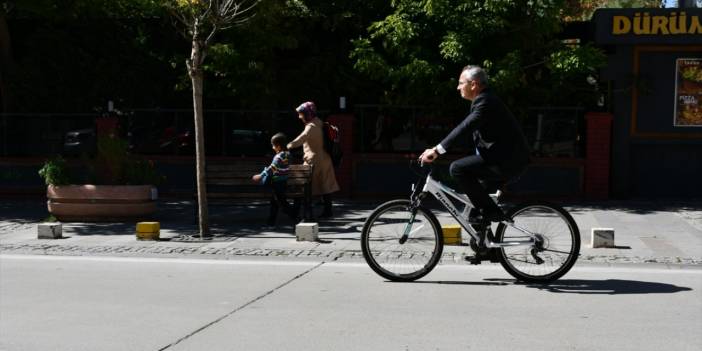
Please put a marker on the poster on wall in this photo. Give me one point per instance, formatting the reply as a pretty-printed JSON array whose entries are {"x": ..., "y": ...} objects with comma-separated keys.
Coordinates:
[{"x": 688, "y": 92}]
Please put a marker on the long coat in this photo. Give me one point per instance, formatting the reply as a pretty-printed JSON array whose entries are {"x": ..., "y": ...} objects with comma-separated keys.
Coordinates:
[{"x": 312, "y": 141}]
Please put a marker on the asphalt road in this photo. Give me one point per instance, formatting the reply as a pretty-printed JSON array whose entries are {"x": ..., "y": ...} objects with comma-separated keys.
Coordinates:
[{"x": 102, "y": 303}]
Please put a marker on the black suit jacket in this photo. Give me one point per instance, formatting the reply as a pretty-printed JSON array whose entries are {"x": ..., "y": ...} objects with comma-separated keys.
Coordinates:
[{"x": 496, "y": 134}]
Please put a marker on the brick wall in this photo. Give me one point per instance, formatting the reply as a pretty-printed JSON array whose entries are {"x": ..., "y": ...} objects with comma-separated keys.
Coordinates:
[
  {"x": 597, "y": 155},
  {"x": 344, "y": 174}
]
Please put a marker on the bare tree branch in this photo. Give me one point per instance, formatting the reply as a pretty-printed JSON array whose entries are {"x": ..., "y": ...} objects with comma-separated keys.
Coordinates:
[{"x": 211, "y": 35}]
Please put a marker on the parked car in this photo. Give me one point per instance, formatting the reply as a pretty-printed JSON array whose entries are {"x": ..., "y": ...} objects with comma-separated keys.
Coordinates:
[
  {"x": 249, "y": 142},
  {"x": 78, "y": 142},
  {"x": 169, "y": 141}
]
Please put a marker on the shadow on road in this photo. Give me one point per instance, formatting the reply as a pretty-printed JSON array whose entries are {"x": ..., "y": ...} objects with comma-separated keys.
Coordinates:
[
  {"x": 454, "y": 282},
  {"x": 608, "y": 287}
]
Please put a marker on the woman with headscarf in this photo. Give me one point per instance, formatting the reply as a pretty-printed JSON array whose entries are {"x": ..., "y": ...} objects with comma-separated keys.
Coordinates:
[{"x": 312, "y": 141}]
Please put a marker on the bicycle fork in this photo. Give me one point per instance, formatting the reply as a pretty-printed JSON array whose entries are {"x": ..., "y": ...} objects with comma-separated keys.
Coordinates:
[
  {"x": 408, "y": 226},
  {"x": 415, "y": 200}
]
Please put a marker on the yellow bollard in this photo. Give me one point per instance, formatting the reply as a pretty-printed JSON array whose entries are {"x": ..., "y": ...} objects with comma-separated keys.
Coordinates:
[
  {"x": 148, "y": 230},
  {"x": 452, "y": 234}
]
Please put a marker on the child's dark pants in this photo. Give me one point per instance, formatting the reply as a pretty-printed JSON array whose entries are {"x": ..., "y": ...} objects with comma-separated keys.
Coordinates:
[{"x": 279, "y": 201}]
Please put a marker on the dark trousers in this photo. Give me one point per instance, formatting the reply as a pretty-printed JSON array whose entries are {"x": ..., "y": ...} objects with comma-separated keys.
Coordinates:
[
  {"x": 477, "y": 180},
  {"x": 279, "y": 201},
  {"x": 327, "y": 200}
]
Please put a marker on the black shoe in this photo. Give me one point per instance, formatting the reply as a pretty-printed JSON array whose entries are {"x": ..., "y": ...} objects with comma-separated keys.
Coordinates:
[
  {"x": 476, "y": 219},
  {"x": 487, "y": 255}
]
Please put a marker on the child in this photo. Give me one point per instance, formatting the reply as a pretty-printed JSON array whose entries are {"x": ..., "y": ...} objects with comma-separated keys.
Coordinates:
[{"x": 276, "y": 176}]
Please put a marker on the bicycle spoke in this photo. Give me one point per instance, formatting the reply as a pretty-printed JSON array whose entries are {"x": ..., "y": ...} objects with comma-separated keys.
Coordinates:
[
  {"x": 557, "y": 251},
  {"x": 557, "y": 240},
  {"x": 388, "y": 254}
]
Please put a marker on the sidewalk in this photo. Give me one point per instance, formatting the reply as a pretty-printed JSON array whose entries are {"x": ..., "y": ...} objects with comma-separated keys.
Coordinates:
[{"x": 668, "y": 234}]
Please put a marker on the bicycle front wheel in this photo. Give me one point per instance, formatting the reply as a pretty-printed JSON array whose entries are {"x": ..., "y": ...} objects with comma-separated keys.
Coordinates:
[
  {"x": 396, "y": 259},
  {"x": 557, "y": 243}
]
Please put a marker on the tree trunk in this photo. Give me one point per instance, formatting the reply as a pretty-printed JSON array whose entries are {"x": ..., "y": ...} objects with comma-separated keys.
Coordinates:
[{"x": 197, "y": 78}]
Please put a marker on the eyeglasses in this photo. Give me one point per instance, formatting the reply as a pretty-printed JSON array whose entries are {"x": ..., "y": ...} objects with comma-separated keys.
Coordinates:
[{"x": 464, "y": 82}]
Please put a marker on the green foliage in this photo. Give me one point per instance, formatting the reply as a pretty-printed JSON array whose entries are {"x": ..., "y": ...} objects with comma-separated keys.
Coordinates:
[
  {"x": 140, "y": 172},
  {"x": 50, "y": 218},
  {"x": 417, "y": 52},
  {"x": 571, "y": 62},
  {"x": 111, "y": 160},
  {"x": 292, "y": 51},
  {"x": 408, "y": 51},
  {"x": 130, "y": 52},
  {"x": 112, "y": 165},
  {"x": 73, "y": 56},
  {"x": 55, "y": 172}
]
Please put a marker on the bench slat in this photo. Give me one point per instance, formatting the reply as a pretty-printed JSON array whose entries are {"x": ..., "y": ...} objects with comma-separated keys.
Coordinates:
[
  {"x": 235, "y": 167},
  {"x": 247, "y": 181},
  {"x": 233, "y": 181},
  {"x": 250, "y": 195},
  {"x": 247, "y": 175},
  {"x": 250, "y": 166}
]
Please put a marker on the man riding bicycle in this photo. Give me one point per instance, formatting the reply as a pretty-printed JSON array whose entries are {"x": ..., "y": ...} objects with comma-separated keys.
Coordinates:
[{"x": 500, "y": 149}]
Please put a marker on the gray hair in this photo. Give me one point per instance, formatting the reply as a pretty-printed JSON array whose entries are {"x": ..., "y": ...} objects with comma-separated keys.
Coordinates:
[{"x": 477, "y": 74}]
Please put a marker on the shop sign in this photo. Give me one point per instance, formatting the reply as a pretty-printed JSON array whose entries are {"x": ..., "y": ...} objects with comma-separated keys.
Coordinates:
[
  {"x": 643, "y": 23},
  {"x": 688, "y": 92},
  {"x": 648, "y": 26}
]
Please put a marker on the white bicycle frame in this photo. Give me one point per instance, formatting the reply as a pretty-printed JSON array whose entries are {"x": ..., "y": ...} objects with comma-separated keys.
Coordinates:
[{"x": 441, "y": 193}]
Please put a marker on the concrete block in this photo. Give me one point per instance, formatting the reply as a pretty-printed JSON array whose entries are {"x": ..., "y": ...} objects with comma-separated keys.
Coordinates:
[
  {"x": 148, "y": 230},
  {"x": 602, "y": 237},
  {"x": 307, "y": 231},
  {"x": 50, "y": 230},
  {"x": 452, "y": 234}
]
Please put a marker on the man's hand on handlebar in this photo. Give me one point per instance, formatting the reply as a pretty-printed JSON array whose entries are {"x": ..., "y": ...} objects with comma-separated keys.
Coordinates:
[{"x": 428, "y": 156}]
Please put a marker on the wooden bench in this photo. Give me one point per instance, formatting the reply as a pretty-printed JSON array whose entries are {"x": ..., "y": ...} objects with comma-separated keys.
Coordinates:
[{"x": 232, "y": 181}]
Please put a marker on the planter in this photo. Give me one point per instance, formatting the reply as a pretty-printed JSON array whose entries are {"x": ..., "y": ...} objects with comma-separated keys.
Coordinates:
[{"x": 95, "y": 203}]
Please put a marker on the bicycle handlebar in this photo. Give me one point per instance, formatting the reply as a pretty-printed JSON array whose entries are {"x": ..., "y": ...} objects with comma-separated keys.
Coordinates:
[{"x": 424, "y": 168}]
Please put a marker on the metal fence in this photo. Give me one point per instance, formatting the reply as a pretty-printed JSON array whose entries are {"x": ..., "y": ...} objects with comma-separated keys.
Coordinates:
[
  {"x": 383, "y": 128},
  {"x": 556, "y": 131},
  {"x": 148, "y": 131},
  {"x": 551, "y": 131}
]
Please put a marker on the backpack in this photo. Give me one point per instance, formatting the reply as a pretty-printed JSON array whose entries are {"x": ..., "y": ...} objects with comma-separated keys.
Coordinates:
[{"x": 332, "y": 144}]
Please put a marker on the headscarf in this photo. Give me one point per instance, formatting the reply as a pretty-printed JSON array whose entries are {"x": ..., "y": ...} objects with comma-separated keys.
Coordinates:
[{"x": 308, "y": 109}]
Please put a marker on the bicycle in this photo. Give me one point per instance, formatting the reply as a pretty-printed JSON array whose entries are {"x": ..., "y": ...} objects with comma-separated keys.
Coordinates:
[{"x": 402, "y": 239}]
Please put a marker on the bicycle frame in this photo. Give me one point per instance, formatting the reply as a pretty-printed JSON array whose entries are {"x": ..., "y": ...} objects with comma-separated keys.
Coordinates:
[{"x": 441, "y": 192}]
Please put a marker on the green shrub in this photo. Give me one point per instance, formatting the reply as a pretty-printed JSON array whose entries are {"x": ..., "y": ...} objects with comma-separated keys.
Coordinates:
[
  {"x": 55, "y": 172},
  {"x": 112, "y": 165},
  {"x": 139, "y": 172}
]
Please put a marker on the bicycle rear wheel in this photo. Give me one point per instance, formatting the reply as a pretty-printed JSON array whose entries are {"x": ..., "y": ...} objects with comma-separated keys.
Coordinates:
[
  {"x": 393, "y": 259},
  {"x": 557, "y": 243}
]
